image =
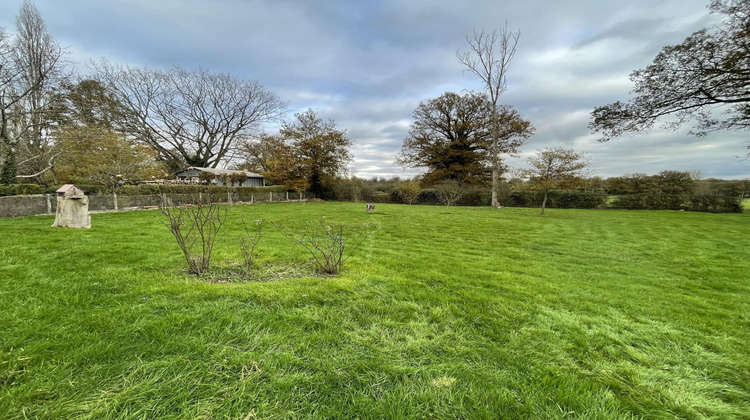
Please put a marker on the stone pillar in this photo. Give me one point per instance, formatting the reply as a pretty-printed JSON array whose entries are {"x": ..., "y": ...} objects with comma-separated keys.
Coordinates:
[{"x": 72, "y": 213}]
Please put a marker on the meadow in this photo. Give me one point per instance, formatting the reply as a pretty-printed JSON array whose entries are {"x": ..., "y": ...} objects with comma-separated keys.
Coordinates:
[{"x": 444, "y": 312}]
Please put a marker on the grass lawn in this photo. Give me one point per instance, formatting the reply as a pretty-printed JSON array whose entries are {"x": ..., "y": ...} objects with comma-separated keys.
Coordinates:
[{"x": 443, "y": 313}]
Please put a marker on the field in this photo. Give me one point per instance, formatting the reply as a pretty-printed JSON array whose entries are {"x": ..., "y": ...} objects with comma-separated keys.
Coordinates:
[{"x": 443, "y": 313}]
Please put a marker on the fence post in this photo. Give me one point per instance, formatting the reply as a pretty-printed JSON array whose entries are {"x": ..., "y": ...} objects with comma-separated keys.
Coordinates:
[
  {"x": 287, "y": 196},
  {"x": 229, "y": 197},
  {"x": 49, "y": 204},
  {"x": 252, "y": 198},
  {"x": 270, "y": 196},
  {"x": 114, "y": 196}
]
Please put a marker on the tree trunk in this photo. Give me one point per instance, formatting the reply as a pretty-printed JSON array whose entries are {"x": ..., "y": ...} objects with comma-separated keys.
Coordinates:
[
  {"x": 544, "y": 202},
  {"x": 495, "y": 158}
]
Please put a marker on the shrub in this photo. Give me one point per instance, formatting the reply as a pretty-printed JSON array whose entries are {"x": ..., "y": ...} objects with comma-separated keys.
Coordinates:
[
  {"x": 237, "y": 178},
  {"x": 715, "y": 203},
  {"x": 249, "y": 242},
  {"x": 195, "y": 226},
  {"x": 206, "y": 177},
  {"x": 448, "y": 192},
  {"x": 476, "y": 196},
  {"x": 353, "y": 189},
  {"x": 428, "y": 196},
  {"x": 380, "y": 197},
  {"x": 329, "y": 245},
  {"x": 408, "y": 192}
]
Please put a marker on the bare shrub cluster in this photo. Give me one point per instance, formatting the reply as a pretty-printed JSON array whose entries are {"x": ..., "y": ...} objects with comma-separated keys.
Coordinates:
[
  {"x": 329, "y": 245},
  {"x": 196, "y": 226}
]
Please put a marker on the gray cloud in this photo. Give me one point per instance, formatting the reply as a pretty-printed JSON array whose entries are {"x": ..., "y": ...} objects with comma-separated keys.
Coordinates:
[{"x": 369, "y": 64}]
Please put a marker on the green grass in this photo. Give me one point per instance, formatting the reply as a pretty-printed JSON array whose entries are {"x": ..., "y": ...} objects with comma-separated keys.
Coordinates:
[{"x": 444, "y": 313}]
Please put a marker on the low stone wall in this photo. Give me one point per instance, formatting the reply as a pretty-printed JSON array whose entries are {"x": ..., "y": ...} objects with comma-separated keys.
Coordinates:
[{"x": 29, "y": 205}]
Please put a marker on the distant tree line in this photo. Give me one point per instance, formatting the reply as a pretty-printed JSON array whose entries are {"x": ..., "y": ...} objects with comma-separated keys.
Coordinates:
[{"x": 666, "y": 190}]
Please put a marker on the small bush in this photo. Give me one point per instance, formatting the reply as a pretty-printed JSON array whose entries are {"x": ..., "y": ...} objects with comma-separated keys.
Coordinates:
[
  {"x": 329, "y": 245},
  {"x": 428, "y": 196},
  {"x": 408, "y": 192},
  {"x": 476, "y": 197},
  {"x": 249, "y": 242},
  {"x": 196, "y": 226},
  {"x": 380, "y": 197}
]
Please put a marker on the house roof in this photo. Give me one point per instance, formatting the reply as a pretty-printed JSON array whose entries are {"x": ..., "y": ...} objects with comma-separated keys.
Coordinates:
[{"x": 223, "y": 171}]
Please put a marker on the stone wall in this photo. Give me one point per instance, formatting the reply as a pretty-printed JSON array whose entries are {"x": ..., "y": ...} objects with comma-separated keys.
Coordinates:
[{"x": 29, "y": 205}]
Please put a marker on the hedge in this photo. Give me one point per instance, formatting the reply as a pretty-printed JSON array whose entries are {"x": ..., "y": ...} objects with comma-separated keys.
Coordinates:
[
  {"x": 712, "y": 203},
  {"x": 561, "y": 199},
  {"x": 22, "y": 189}
]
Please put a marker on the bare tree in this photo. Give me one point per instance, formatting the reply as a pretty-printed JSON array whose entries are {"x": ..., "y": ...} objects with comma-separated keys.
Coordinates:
[
  {"x": 31, "y": 69},
  {"x": 195, "y": 118},
  {"x": 449, "y": 192},
  {"x": 489, "y": 57}
]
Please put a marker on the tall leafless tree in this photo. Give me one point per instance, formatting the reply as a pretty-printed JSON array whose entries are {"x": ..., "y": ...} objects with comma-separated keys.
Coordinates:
[
  {"x": 489, "y": 57},
  {"x": 197, "y": 117},
  {"x": 32, "y": 67}
]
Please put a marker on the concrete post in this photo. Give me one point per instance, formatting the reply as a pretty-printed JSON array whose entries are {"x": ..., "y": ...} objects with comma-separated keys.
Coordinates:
[{"x": 49, "y": 203}]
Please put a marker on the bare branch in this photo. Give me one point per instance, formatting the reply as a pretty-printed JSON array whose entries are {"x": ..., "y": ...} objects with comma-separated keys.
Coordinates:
[{"x": 190, "y": 117}]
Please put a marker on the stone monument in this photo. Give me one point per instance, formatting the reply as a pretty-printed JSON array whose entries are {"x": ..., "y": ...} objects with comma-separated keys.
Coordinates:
[{"x": 72, "y": 208}]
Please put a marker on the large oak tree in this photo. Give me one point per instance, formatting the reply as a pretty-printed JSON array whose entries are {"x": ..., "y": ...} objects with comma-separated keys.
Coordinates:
[
  {"x": 704, "y": 80},
  {"x": 451, "y": 136}
]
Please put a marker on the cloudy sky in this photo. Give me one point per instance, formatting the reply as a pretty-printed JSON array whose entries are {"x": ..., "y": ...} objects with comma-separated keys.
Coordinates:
[{"x": 368, "y": 64}]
